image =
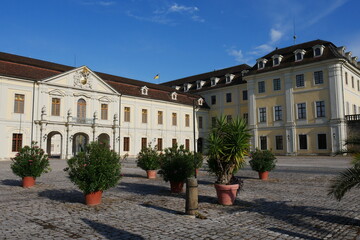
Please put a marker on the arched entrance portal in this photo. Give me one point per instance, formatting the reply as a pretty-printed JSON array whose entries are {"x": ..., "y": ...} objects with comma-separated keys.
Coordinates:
[
  {"x": 79, "y": 142},
  {"x": 54, "y": 144},
  {"x": 105, "y": 139}
]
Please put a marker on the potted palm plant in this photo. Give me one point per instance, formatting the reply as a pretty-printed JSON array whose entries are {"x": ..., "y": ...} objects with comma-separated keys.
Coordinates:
[
  {"x": 228, "y": 144},
  {"x": 176, "y": 165},
  {"x": 148, "y": 160},
  {"x": 262, "y": 161},
  {"x": 94, "y": 170},
  {"x": 29, "y": 163}
]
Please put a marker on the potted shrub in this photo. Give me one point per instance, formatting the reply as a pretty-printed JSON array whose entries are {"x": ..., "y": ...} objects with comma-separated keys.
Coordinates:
[
  {"x": 228, "y": 144},
  {"x": 198, "y": 161},
  {"x": 29, "y": 163},
  {"x": 262, "y": 161},
  {"x": 176, "y": 165},
  {"x": 148, "y": 160},
  {"x": 94, "y": 170}
]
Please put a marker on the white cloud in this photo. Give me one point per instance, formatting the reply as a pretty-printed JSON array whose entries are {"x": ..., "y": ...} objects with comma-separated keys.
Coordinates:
[
  {"x": 161, "y": 19},
  {"x": 332, "y": 6},
  {"x": 106, "y": 3},
  {"x": 275, "y": 35},
  {"x": 181, "y": 8}
]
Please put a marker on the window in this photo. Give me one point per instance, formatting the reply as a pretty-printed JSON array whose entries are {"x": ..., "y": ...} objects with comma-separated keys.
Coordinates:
[
  {"x": 19, "y": 103},
  {"x": 104, "y": 111},
  {"x": 279, "y": 142},
  {"x": 318, "y": 77},
  {"x": 159, "y": 144},
  {"x": 144, "y": 113},
  {"x": 245, "y": 95},
  {"x": 214, "y": 81},
  {"x": 187, "y": 144},
  {"x": 160, "y": 117},
  {"x": 263, "y": 143},
  {"x": 174, "y": 119},
  {"x": 278, "y": 113},
  {"x": 187, "y": 120},
  {"x": 228, "y": 97},
  {"x": 174, "y": 96},
  {"x": 300, "y": 80},
  {"x": 262, "y": 114},
  {"x": 298, "y": 56},
  {"x": 144, "y": 90},
  {"x": 277, "y": 84},
  {"x": 317, "y": 52},
  {"x": 213, "y": 100},
  {"x": 303, "y": 141},
  {"x": 322, "y": 141},
  {"x": 352, "y": 82},
  {"x": 246, "y": 117},
  {"x": 261, "y": 65},
  {"x": 143, "y": 143},
  {"x": 320, "y": 109},
  {"x": 276, "y": 61},
  {"x": 81, "y": 109},
  {"x": 228, "y": 118},
  {"x": 354, "y": 109},
  {"x": 200, "y": 122},
  {"x": 346, "y": 78},
  {"x": 173, "y": 142},
  {"x": 16, "y": 142},
  {"x": 213, "y": 121},
  {"x": 55, "y": 107},
  {"x": 261, "y": 87},
  {"x": 301, "y": 110},
  {"x": 126, "y": 144},
  {"x": 126, "y": 114}
]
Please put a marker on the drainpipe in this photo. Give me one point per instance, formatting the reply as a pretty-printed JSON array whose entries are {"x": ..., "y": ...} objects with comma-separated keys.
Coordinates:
[
  {"x": 119, "y": 123},
  {"x": 32, "y": 114}
]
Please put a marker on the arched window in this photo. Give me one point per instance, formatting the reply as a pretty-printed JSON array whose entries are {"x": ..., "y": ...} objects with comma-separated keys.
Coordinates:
[{"x": 81, "y": 108}]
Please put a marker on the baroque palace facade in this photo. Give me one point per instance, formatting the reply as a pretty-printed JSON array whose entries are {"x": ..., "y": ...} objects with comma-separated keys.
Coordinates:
[{"x": 296, "y": 101}]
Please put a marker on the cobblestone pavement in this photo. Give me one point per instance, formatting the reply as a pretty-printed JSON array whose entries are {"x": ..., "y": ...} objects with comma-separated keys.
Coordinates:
[{"x": 292, "y": 205}]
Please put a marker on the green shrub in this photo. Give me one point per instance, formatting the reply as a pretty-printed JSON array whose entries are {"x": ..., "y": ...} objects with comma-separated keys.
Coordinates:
[
  {"x": 30, "y": 162},
  {"x": 198, "y": 160},
  {"x": 176, "y": 164},
  {"x": 95, "y": 169},
  {"x": 148, "y": 159},
  {"x": 262, "y": 160}
]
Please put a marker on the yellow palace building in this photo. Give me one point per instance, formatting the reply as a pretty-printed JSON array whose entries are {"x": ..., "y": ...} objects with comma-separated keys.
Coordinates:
[{"x": 297, "y": 101}]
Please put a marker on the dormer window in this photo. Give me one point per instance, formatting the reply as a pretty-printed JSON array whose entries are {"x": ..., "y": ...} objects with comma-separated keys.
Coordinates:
[
  {"x": 348, "y": 55},
  {"x": 261, "y": 63},
  {"x": 276, "y": 59},
  {"x": 173, "y": 95},
  {"x": 187, "y": 86},
  {"x": 341, "y": 50},
  {"x": 229, "y": 78},
  {"x": 144, "y": 90},
  {"x": 199, "y": 84},
  {"x": 200, "y": 101},
  {"x": 299, "y": 54},
  {"x": 318, "y": 50},
  {"x": 214, "y": 81}
]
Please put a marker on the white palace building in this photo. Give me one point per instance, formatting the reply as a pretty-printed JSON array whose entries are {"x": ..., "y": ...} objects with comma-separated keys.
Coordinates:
[{"x": 297, "y": 100}]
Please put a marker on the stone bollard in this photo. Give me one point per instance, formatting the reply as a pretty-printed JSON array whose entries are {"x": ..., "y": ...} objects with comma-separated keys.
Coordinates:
[{"x": 191, "y": 196}]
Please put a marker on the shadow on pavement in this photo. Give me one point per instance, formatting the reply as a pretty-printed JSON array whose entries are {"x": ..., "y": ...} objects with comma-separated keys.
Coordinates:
[
  {"x": 110, "y": 232},
  {"x": 131, "y": 175},
  {"x": 293, "y": 234},
  {"x": 297, "y": 216},
  {"x": 161, "y": 208},
  {"x": 63, "y": 195},
  {"x": 147, "y": 189},
  {"x": 11, "y": 182}
]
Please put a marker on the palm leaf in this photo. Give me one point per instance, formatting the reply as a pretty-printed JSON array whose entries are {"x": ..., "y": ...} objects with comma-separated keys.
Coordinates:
[{"x": 344, "y": 182}]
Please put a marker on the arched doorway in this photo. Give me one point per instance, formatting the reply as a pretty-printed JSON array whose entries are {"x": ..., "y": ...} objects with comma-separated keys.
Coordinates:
[
  {"x": 54, "y": 144},
  {"x": 200, "y": 145},
  {"x": 104, "y": 139},
  {"x": 80, "y": 140}
]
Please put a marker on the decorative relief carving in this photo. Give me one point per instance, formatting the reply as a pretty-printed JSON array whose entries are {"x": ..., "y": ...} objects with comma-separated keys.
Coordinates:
[{"x": 83, "y": 78}]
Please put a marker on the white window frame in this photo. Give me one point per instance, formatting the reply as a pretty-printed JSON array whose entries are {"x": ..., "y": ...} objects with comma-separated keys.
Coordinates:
[
  {"x": 316, "y": 112},
  {"x": 274, "y": 112},
  {"x": 144, "y": 90},
  {"x": 297, "y": 111},
  {"x": 259, "y": 117}
]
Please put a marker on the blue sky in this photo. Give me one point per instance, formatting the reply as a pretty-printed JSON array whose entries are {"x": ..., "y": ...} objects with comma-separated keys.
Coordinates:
[{"x": 141, "y": 38}]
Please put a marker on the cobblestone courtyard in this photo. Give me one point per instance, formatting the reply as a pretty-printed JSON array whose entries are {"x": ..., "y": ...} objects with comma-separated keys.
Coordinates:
[{"x": 292, "y": 205}]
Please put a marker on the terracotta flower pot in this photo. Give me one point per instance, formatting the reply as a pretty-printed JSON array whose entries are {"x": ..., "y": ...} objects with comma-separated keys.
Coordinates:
[
  {"x": 93, "y": 198},
  {"x": 151, "y": 174},
  {"x": 28, "y": 182},
  {"x": 226, "y": 193},
  {"x": 264, "y": 175},
  {"x": 176, "y": 187}
]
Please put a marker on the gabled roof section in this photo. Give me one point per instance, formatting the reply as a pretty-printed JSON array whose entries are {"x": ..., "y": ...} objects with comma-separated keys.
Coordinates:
[
  {"x": 38, "y": 70},
  {"x": 221, "y": 74},
  {"x": 330, "y": 52}
]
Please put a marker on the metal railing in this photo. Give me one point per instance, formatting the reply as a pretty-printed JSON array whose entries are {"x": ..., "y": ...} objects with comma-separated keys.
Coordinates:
[
  {"x": 83, "y": 120},
  {"x": 354, "y": 117}
]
